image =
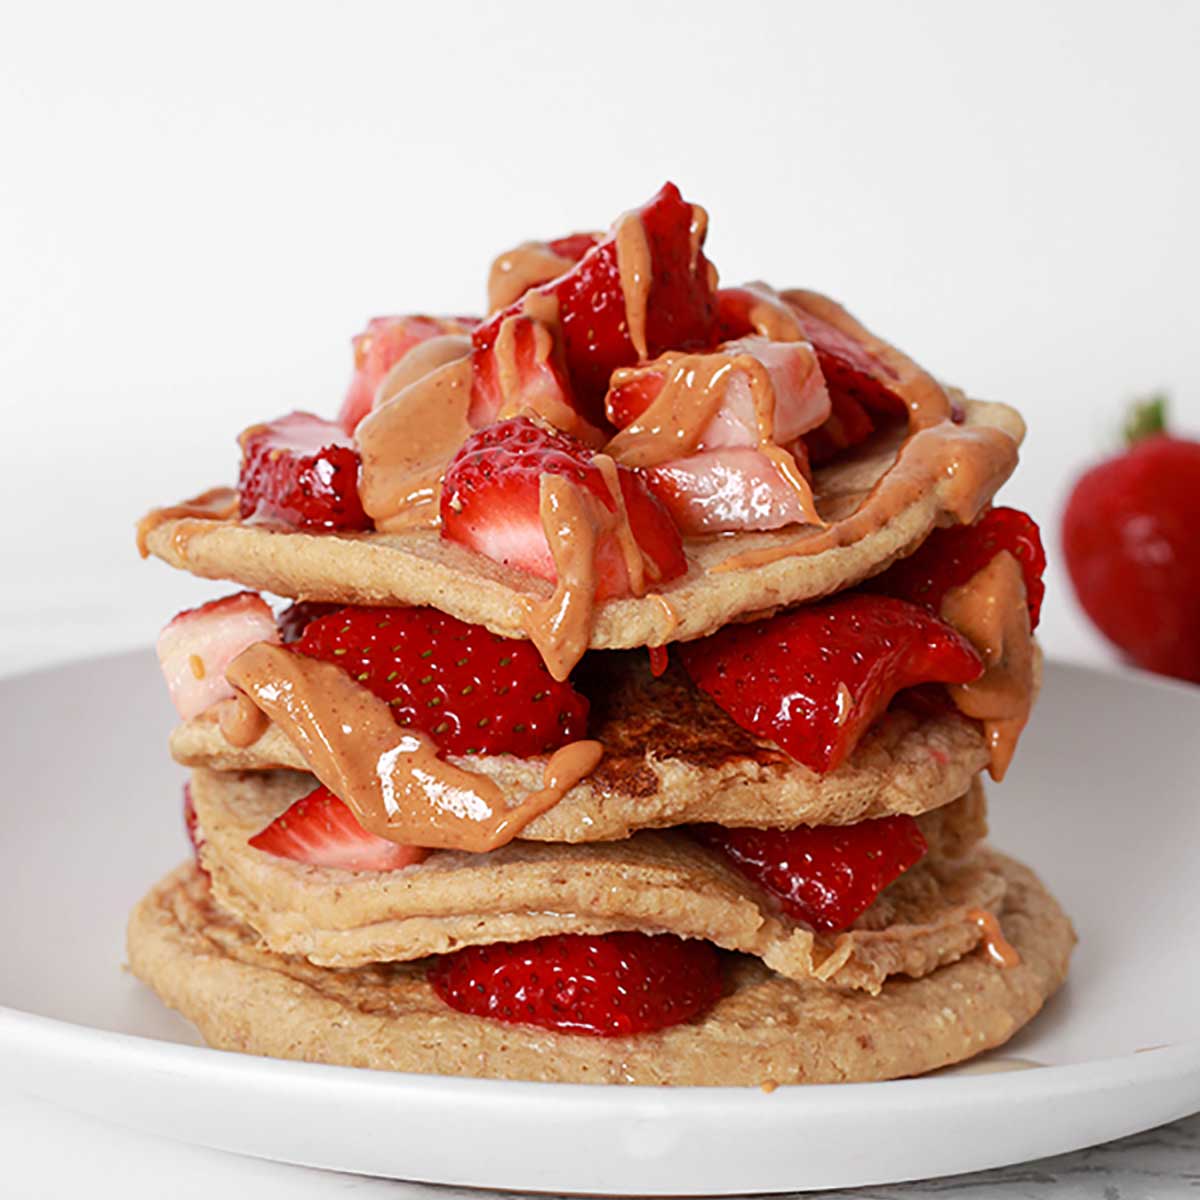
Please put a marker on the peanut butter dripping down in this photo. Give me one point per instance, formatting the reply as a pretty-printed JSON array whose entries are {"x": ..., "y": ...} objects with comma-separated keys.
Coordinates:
[
  {"x": 991, "y": 611},
  {"x": 515, "y": 272},
  {"x": 999, "y": 949},
  {"x": 241, "y": 721},
  {"x": 389, "y": 776},
  {"x": 673, "y": 425},
  {"x": 967, "y": 465},
  {"x": 217, "y": 504},
  {"x": 636, "y": 270}
]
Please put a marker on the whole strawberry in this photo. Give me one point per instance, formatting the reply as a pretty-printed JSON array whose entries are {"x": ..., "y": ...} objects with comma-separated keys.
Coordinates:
[{"x": 1131, "y": 538}]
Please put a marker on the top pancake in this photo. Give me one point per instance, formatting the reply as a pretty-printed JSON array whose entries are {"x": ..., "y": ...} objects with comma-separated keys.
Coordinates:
[{"x": 420, "y": 568}]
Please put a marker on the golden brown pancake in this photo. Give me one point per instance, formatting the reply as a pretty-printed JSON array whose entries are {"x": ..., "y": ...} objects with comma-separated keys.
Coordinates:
[
  {"x": 764, "y": 1030},
  {"x": 420, "y": 568},
  {"x": 653, "y": 882}
]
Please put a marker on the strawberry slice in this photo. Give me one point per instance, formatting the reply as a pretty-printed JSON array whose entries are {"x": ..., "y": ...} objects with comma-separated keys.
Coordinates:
[
  {"x": 827, "y": 875},
  {"x": 384, "y": 342},
  {"x": 320, "y": 830},
  {"x": 303, "y": 471},
  {"x": 607, "y": 985},
  {"x": 295, "y": 619},
  {"x": 473, "y": 692},
  {"x": 949, "y": 557},
  {"x": 679, "y": 310},
  {"x": 814, "y": 679},
  {"x": 191, "y": 825},
  {"x": 196, "y": 646},
  {"x": 490, "y": 503}
]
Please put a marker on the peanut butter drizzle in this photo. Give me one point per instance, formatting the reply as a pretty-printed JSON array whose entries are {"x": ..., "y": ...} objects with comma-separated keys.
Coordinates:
[
  {"x": 406, "y": 444},
  {"x": 561, "y": 626},
  {"x": 635, "y": 268},
  {"x": 518, "y": 270},
  {"x": 1000, "y": 950},
  {"x": 217, "y": 504},
  {"x": 969, "y": 464},
  {"x": 669, "y": 612},
  {"x": 637, "y": 565},
  {"x": 423, "y": 359},
  {"x": 241, "y": 721},
  {"x": 390, "y": 776},
  {"x": 992, "y": 612}
]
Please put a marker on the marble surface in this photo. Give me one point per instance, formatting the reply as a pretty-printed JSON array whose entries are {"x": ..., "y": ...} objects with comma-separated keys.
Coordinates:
[{"x": 1163, "y": 1164}]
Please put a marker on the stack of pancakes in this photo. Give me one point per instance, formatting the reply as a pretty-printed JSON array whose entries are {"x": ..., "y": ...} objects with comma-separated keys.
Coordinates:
[{"x": 272, "y": 956}]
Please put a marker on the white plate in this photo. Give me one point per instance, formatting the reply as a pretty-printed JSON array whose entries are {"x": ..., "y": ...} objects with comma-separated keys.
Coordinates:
[{"x": 1103, "y": 803}]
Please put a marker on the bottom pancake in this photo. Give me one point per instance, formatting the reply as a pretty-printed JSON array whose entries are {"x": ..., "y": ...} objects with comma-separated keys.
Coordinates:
[{"x": 765, "y": 1029}]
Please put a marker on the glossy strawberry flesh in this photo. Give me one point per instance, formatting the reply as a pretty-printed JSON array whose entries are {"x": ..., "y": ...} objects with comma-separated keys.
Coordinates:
[
  {"x": 490, "y": 503},
  {"x": 680, "y": 312},
  {"x": 384, "y": 342},
  {"x": 826, "y": 875},
  {"x": 814, "y": 679},
  {"x": 320, "y": 830},
  {"x": 949, "y": 557},
  {"x": 301, "y": 471},
  {"x": 471, "y": 691},
  {"x": 608, "y": 985}
]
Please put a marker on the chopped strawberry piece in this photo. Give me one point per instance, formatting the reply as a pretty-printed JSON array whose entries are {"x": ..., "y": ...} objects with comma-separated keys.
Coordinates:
[
  {"x": 848, "y": 424},
  {"x": 191, "y": 825},
  {"x": 384, "y": 342},
  {"x": 814, "y": 679},
  {"x": 320, "y": 830},
  {"x": 197, "y": 645},
  {"x": 303, "y": 471},
  {"x": 491, "y": 503},
  {"x": 949, "y": 557},
  {"x": 575, "y": 245},
  {"x": 295, "y": 619},
  {"x": 680, "y": 310},
  {"x": 607, "y": 985},
  {"x": 471, "y": 691},
  {"x": 825, "y": 875}
]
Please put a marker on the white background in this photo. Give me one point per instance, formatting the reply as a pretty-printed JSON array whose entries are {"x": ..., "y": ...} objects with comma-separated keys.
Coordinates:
[{"x": 200, "y": 204}]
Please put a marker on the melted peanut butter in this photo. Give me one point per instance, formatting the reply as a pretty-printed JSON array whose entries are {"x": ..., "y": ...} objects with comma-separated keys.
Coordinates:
[
  {"x": 968, "y": 463},
  {"x": 1000, "y": 950},
  {"x": 423, "y": 359},
  {"x": 637, "y": 565},
  {"x": 390, "y": 776},
  {"x": 217, "y": 504},
  {"x": 241, "y": 721},
  {"x": 668, "y": 611},
  {"x": 516, "y": 271},
  {"x": 992, "y": 612},
  {"x": 636, "y": 271},
  {"x": 407, "y": 443}
]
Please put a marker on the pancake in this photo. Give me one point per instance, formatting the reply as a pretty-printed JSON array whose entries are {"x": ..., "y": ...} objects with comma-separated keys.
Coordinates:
[
  {"x": 673, "y": 757},
  {"x": 764, "y": 1030},
  {"x": 420, "y": 568},
  {"x": 653, "y": 882}
]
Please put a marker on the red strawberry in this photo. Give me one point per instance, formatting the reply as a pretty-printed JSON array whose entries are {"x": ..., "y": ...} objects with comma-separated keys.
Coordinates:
[
  {"x": 490, "y": 502},
  {"x": 1131, "y": 539},
  {"x": 295, "y": 619},
  {"x": 591, "y": 305},
  {"x": 826, "y": 875},
  {"x": 303, "y": 471},
  {"x": 319, "y": 829},
  {"x": 473, "y": 692},
  {"x": 608, "y": 985},
  {"x": 814, "y": 679},
  {"x": 384, "y": 342},
  {"x": 196, "y": 646},
  {"x": 191, "y": 825},
  {"x": 949, "y": 557}
]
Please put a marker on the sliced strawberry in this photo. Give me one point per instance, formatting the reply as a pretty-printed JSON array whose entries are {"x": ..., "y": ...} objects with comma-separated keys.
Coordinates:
[
  {"x": 680, "y": 310},
  {"x": 534, "y": 263},
  {"x": 320, "y": 830},
  {"x": 197, "y": 645},
  {"x": 191, "y": 825},
  {"x": 303, "y": 471},
  {"x": 608, "y": 985},
  {"x": 295, "y": 619},
  {"x": 384, "y": 342},
  {"x": 473, "y": 692},
  {"x": 814, "y": 679},
  {"x": 949, "y": 557},
  {"x": 825, "y": 875},
  {"x": 491, "y": 497}
]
